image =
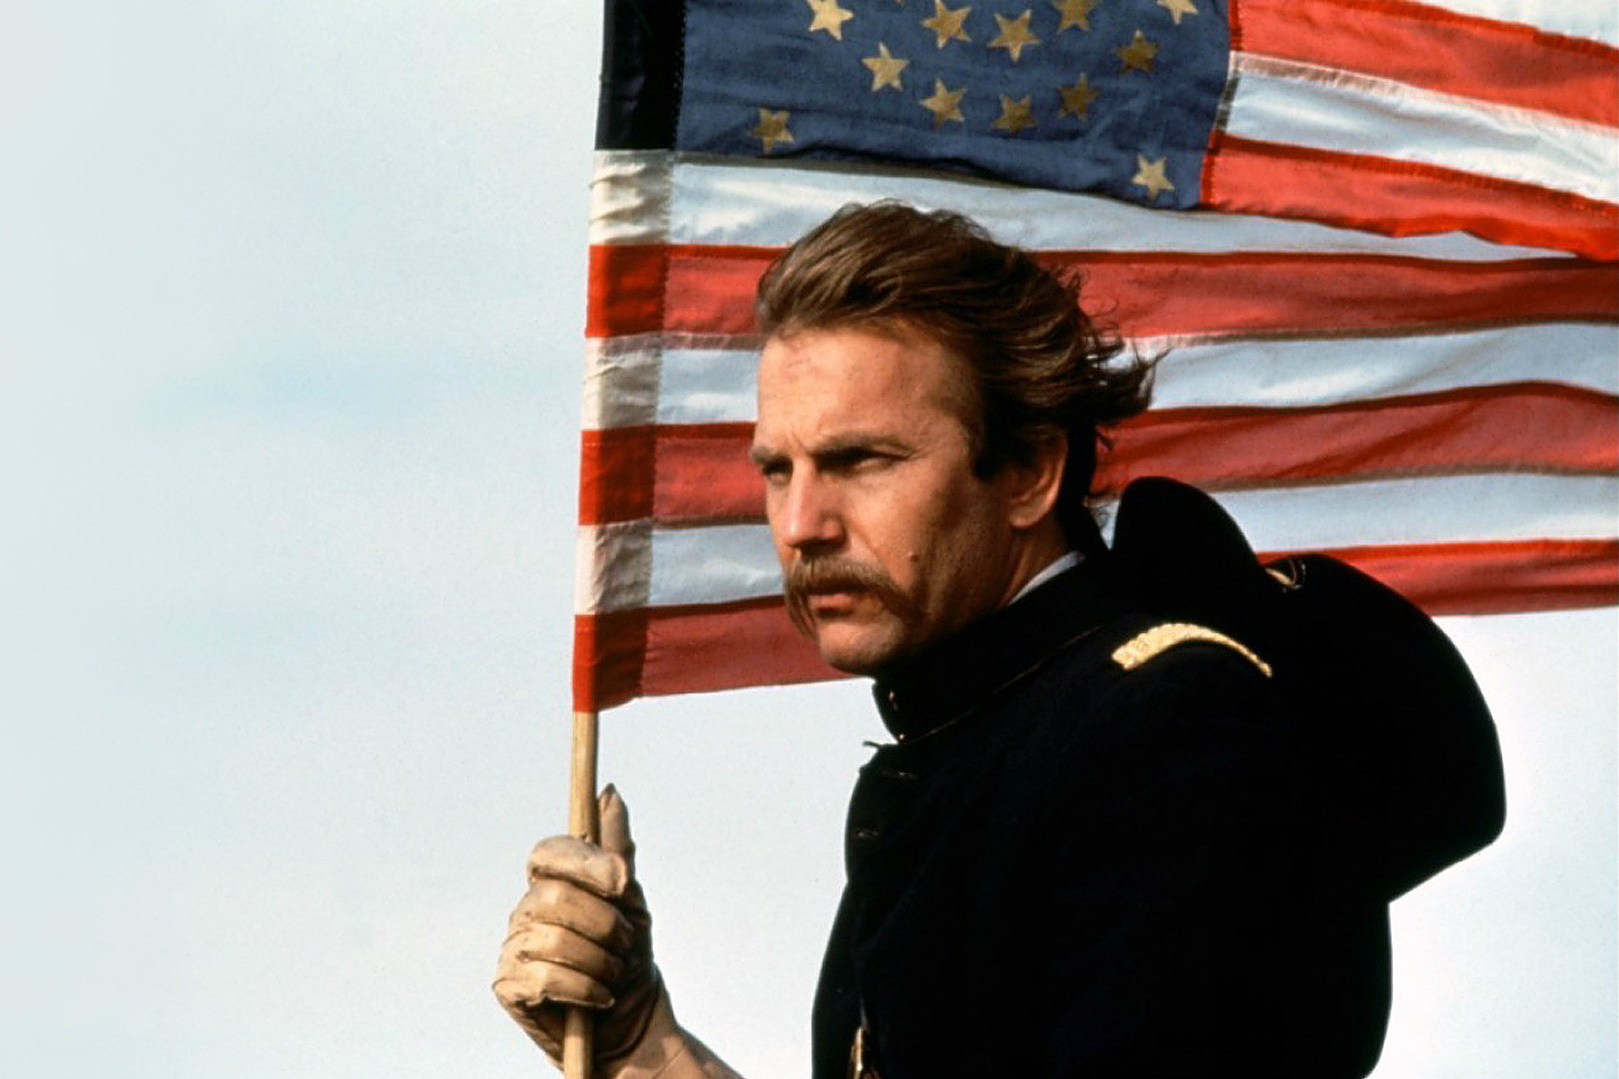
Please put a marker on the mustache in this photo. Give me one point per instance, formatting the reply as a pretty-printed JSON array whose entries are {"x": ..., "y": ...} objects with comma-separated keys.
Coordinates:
[{"x": 834, "y": 573}]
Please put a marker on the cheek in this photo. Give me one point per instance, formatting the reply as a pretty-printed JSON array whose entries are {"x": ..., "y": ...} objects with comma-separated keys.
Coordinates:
[
  {"x": 970, "y": 541},
  {"x": 951, "y": 536},
  {"x": 924, "y": 529}
]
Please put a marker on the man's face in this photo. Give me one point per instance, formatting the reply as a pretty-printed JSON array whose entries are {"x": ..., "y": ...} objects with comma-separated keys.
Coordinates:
[{"x": 886, "y": 538}]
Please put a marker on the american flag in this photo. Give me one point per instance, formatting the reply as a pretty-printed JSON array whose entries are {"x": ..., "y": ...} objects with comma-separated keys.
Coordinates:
[{"x": 1376, "y": 238}]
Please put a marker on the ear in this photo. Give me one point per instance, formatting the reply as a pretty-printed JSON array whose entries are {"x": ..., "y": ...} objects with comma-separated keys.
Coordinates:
[{"x": 1031, "y": 489}]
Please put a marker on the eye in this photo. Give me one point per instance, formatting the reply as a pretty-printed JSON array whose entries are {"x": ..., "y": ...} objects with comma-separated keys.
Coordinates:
[
  {"x": 775, "y": 470},
  {"x": 856, "y": 460}
]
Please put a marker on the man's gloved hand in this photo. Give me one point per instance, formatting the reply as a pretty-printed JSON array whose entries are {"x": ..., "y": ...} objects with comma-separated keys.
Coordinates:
[{"x": 582, "y": 935}]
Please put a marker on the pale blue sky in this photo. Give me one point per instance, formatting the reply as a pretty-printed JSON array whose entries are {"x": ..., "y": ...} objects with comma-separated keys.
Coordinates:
[{"x": 290, "y": 309}]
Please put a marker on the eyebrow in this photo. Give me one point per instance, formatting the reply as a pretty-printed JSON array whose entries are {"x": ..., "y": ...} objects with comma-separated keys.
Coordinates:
[{"x": 852, "y": 442}]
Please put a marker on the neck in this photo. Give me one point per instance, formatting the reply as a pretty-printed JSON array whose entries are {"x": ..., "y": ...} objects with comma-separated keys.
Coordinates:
[
  {"x": 1042, "y": 549},
  {"x": 1066, "y": 562},
  {"x": 1041, "y": 546}
]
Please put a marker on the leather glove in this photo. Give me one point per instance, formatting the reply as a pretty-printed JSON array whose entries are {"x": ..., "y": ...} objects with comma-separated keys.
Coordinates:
[{"x": 582, "y": 935}]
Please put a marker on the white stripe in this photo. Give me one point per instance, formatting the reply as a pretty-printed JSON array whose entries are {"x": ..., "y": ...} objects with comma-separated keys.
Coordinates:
[
  {"x": 1326, "y": 371},
  {"x": 702, "y": 385},
  {"x": 734, "y": 562},
  {"x": 771, "y": 204},
  {"x": 714, "y": 564},
  {"x": 1326, "y": 109},
  {"x": 621, "y": 381},
  {"x": 629, "y": 198},
  {"x": 708, "y": 386},
  {"x": 1449, "y": 509},
  {"x": 692, "y": 565},
  {"x": 613, "y": 567}
]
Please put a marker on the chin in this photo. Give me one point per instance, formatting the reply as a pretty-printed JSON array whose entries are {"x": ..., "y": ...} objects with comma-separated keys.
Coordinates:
[{"x": 854, "y": 651}]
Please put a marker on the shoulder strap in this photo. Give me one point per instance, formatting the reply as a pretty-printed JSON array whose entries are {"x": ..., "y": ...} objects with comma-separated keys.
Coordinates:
[{"x": 1157, "y": 640}]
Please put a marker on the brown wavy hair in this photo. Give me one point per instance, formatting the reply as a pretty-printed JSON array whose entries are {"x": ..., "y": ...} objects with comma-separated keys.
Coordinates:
[{"x": 1039, "y": 364}]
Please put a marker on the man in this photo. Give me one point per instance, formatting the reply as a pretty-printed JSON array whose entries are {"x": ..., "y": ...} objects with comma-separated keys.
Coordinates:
[{"x": 1094, "y": 847}]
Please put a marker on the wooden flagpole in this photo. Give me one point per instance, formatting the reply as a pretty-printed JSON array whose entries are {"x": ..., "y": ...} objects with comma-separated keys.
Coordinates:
[{"x": 577, "y": 1048}]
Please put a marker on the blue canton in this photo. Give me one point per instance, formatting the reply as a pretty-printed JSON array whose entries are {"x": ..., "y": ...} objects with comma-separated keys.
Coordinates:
[{"x": 1018, "y": 91}]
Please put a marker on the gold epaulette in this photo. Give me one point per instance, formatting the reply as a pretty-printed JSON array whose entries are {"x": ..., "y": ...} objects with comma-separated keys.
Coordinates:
[{"x": 1166, "y": 635}]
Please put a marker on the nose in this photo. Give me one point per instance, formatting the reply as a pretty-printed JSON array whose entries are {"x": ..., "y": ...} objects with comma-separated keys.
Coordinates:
[{"x": 805, "y": 514}]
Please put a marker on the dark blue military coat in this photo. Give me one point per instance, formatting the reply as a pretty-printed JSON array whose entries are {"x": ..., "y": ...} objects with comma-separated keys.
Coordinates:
[{"x": 1063, "y": 867}]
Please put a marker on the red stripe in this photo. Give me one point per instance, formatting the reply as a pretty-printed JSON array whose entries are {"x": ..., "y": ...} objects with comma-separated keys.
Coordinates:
[
  {"x": 710, "y": 291},
  {"x": 624, "y": 285},
  {"x": 1400, "y": 198},
  {"x": 1493, "y": 428},
  {"x": 706, "y": 465},
  {"x": 608, "y": 649},
  {"x": 694, "y": 649},
  {"x": 691, "y": 650},
  {"x": 616, "y": 474},
  {"x": 1151, "y": 295},
  {"x": 1502, "y": 62},
  {"x": 1495, "y": 578},
  {"x": 703, "y": 476}
]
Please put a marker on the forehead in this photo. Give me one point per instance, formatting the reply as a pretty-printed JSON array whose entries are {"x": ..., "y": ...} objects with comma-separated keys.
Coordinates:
[{"x": 858, "y": 370}]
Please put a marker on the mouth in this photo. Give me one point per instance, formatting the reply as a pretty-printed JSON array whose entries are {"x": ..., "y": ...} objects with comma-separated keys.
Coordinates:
[
  {"x": 834, "y": 601},
  {"x": 824, "y": 603}
]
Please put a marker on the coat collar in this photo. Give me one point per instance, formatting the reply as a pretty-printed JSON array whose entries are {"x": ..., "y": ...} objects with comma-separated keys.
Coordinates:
[{"x": 954, "y": 677}]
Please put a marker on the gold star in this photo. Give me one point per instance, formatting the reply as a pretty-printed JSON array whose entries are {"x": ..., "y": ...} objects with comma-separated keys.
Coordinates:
[
  {"x": 945, "y": 104},
  {"x": 885, "y": 69},
  {"x": 1076, "y": 99},
  {"x": 1015, "y": 115},
  {"x": 1138, "y": 54},
  {"x": 1075, "y": 13},
  {"x": 1150, "y": 175},
  {"x": 1015, "y": 35},
  {"x": 1177, "y": 8},
  {"x": 772, "y": 128},
  {"x": 829, "y": 17},
  {"x": 946, "y": 24}
]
